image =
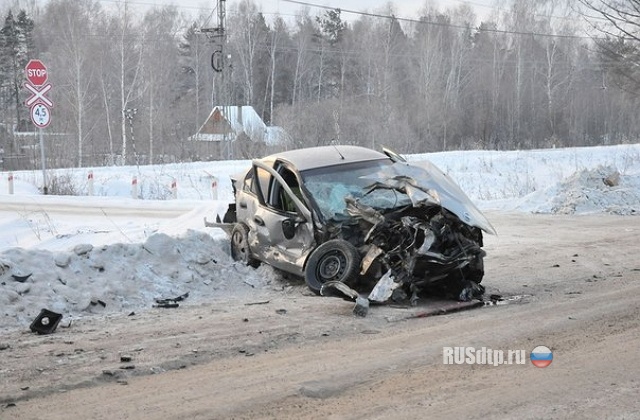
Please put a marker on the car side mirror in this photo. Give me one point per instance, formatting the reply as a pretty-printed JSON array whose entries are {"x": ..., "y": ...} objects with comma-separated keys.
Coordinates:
[{"x": 289, "y": 226}]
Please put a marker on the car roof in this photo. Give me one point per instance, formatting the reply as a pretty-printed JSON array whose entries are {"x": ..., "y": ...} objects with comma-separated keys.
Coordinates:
[{"x": 323, "y": 156}]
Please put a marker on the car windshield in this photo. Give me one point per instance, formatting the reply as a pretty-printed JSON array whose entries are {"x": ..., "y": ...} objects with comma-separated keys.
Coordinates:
[{"x": 329, "y": 187}]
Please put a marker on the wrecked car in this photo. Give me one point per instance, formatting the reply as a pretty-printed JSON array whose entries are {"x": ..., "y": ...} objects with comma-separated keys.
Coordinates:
[{"x": 357, "y": 220}]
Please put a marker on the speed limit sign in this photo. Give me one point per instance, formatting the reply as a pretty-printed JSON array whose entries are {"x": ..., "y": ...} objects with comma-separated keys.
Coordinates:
[{"x": 40, "y": 115}]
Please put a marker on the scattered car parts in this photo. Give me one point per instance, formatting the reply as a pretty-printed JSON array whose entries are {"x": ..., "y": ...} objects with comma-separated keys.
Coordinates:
[
  {"x": 46, "y": 322},
  {"x": 171, "y": 302}
]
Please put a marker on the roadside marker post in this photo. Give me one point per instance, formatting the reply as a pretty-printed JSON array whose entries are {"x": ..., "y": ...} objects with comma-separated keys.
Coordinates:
[
  {"x": 174, "y": 189},
  {"x": 214, "y": 188},
  {"x": 134, "y": 188},
  {"x": 90, "y": 182},
  {"x": 10, "y": 180}
]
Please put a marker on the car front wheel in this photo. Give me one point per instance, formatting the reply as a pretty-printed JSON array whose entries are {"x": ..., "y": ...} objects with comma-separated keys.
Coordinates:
[
  {"x": 240, "y": 245},
  {"x": 334, "y": 260}
]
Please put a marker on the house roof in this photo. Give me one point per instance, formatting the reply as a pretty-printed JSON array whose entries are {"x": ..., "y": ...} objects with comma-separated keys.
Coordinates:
[{"x": 232, "y": 120}]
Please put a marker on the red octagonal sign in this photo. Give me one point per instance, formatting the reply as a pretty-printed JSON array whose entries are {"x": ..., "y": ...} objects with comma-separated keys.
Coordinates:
[{"x": 36, "y": 72}]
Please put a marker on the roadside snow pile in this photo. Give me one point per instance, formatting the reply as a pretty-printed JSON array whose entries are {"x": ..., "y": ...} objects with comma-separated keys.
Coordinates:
[
  {"x": 599, "y": 190},
  {"x": 120, "y": 277}
]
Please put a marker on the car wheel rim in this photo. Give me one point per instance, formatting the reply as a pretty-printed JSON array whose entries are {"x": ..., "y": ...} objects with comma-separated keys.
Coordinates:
[
  {"x": 331, "y": 266},
  {"x": 239, "y": 245}
]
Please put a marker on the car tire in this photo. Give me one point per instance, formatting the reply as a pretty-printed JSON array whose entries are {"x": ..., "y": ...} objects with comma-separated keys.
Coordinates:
[
  {"x": 240, "y": 245},
  {"x": 334, "y": 260}
]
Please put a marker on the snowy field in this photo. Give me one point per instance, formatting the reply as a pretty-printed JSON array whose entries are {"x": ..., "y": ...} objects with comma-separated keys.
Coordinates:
[{"x": 107, "y": 253}]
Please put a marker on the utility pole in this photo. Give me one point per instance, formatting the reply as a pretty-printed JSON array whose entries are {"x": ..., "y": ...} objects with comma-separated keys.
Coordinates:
[
  {"x": 218, "y": 63},
  {"x": 129, "y": 113}
]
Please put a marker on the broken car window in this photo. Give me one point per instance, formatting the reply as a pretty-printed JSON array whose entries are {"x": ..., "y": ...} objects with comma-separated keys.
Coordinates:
[
  {"x": 330, "y": 186},
  {"x": 279, "y": 198}
]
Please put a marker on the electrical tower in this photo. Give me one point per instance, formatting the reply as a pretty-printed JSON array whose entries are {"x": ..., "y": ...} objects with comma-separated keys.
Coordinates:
[{"x": 221, "y": 91}]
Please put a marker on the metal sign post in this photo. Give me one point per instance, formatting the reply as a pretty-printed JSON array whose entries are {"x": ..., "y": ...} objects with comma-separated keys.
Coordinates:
[
  {"x": 37, "y": 75},
  {"x": 45, "y": 188}
]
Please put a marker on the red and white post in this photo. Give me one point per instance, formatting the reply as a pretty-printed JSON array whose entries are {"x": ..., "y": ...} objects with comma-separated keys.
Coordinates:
[
  {"x": 214, "y": 188},
  {"x": 10, "y": 180},
  {"x": 134, "y": 188},
  {"x": 90, "y": 183},
  {"x": 174, "y": 189}
]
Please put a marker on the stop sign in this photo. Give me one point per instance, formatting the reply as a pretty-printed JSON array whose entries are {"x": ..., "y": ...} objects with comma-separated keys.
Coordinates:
[{"x": 36, "y": 72}]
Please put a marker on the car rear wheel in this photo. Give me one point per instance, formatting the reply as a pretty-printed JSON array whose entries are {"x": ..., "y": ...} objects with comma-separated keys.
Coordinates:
[
  {"x": 240, "y": 245},
  {"x": 334, "y": 260}
]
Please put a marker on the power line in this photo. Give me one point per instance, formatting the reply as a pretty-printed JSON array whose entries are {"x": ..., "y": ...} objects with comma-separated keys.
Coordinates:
[
  {"x": 502, "y": 9},
  {"x": 382, "y": 16},
  {"x": 410, "y": 20},
  {"x": 146, "y": 3},
  {"x": 180, "y": 6},
  {"x": 442, "y": 24}
]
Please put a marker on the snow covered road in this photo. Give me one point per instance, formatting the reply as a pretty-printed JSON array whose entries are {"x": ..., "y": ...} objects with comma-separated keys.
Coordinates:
[
  {"x": 95, "y": 205},
  {"x": 60, "y": 222}
]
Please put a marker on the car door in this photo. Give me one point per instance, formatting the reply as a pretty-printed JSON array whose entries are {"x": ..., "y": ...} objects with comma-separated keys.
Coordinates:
[{"x": 280, "y": 227}]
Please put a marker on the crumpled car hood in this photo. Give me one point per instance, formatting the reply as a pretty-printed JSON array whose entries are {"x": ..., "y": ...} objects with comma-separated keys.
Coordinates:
[{"x": 426, "y": 184}]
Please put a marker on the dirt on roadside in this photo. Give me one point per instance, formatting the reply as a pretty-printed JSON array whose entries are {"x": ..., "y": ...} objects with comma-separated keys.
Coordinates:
[{"x": 294, "y": 355}]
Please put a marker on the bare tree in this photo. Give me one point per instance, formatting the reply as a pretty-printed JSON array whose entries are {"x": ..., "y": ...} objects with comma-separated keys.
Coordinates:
[
  {"x": 248, "y": 40},
  {"x": 162, "y": 28},
  {"x": 303, "y": 41},
  {"x": 278, "y": 32},
  {"x": 196, "y": 73},
  {"x": 73, "y": 59},
  {"x": 621, "y": 27},
  {"x": 130, "y": 57},
  {"x": 521, "y": 78},
  {"x": 432, "y": 52},
  {"x": 622, "y": 15}
]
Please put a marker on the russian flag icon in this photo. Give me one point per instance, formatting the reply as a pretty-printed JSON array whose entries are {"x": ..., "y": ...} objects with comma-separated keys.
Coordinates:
[{"x": 541, "y": 357}]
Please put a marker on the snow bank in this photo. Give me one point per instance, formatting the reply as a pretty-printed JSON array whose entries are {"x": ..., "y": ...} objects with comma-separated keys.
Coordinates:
[
  {"x": 499, "y": 179},
  {"x": 121, "y": 277},
  {"x": 587, "y": 192}
]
